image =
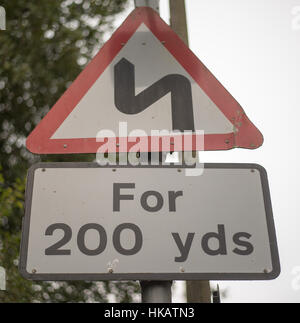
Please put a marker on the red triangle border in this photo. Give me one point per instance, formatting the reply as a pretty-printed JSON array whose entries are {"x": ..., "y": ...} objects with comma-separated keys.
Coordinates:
[{"x": 245, "y": 136}]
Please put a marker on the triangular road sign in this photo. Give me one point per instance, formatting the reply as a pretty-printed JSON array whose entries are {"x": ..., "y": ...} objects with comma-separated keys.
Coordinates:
[{"x": 144, "y": 76}]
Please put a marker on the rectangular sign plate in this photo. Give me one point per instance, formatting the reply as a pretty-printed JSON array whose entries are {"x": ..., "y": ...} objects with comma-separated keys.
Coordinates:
[{"x": 86, "y": 222}]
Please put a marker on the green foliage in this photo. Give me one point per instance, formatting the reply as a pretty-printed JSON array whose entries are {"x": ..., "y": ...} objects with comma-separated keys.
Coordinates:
[
  {"x": 43, "y": 50},
  {"x": 45, "y": 46}
]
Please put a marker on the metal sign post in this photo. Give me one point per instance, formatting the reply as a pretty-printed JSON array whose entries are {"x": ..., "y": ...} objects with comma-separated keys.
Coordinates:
[
  {"x": 154, "y": 291},
  {"x": 154, "y": 4}
]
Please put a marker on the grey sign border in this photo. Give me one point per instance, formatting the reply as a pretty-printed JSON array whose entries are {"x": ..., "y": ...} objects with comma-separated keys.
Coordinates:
[{"x": 264, "y": 275}]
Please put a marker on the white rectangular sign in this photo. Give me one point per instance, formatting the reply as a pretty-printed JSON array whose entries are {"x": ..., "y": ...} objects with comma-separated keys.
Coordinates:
[{"x": 85, "y": 222}]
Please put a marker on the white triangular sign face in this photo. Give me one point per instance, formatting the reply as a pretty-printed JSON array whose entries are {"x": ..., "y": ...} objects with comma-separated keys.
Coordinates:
[
  {"x": 147, "y": 78},
  {"x": 152, "y": 62}
]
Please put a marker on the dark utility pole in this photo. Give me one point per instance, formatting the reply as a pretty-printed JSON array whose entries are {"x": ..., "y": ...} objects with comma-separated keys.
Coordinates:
[{"x": 197, "y": 291}]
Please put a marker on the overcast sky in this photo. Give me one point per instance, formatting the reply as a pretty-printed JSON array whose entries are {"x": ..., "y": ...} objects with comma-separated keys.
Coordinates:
[{"x": 253, "y": 48}]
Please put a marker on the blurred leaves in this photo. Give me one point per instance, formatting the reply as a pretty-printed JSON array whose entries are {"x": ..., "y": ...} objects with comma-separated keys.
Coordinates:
[{"x": 45, "y": 46}]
